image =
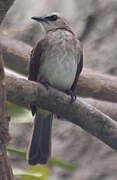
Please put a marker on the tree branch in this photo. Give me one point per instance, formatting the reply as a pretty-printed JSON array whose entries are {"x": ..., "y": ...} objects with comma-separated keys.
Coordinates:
[
  {"x": 91, "y": 84},
  {"x": 5, "y": 168},
  {"x": 16, "y": 54},
  {"x": 107, "y": 108},
  {"x": 97, "y": 85},
  {"x": 24, "y": 92},
  {"x": 4, "y": 6}
]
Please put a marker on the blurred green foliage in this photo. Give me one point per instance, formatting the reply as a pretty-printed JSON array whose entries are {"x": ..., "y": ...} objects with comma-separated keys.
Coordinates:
[
  {"x": 18, "y": 114},
  {"x": 51, "y": 161},
  {"x": 37, "y": 172},
  {"x": 32, "y": 173},
  {"x": 22, "y": 115}
]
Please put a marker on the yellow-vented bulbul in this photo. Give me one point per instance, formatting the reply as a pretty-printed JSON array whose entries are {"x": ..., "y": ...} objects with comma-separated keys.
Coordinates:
[{"x": 56, "y": 60}]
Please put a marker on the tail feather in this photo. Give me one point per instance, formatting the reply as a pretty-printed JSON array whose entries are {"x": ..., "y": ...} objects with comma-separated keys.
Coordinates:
[{"x": 40, "y": 147}]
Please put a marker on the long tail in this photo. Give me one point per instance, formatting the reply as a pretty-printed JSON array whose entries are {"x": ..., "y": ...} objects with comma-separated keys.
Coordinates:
[{"x": 40, "y": 147}]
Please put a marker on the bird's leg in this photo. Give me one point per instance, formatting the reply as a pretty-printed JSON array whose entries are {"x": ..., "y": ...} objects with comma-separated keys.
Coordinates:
[
  {"x": 46, "y": 84},
  {"x": 72, "y": 94},
  {"x": 33, "y": 109}
]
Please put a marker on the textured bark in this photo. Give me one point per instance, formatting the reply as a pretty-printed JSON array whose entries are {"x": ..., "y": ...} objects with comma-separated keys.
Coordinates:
[
  {"x": 108, "y": 108},
  {"x": 97, "y": 85},
  {"x": 16, "y": 54},
  {"x": 23, "y": 92},
  {"x": 90, "y": 84},
  {"x": 4, "y": 6},
  {"x": 5, "y": 168}
]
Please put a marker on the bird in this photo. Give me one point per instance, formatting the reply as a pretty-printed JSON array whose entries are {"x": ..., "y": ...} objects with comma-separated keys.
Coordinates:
[{"x": 57, "y": 61}]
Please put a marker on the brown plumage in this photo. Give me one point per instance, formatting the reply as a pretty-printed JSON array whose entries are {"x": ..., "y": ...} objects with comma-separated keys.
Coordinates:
[{"x": 57, "y": 60}]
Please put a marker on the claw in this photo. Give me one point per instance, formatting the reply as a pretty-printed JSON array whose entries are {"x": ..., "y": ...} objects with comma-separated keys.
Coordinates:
[
  {"x": 46, "y": 84},
  {"x": 73, "y": 96}
]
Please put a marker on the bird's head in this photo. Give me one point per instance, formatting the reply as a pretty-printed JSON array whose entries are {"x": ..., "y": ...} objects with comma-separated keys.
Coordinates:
[{"x": 52, "y": 21}]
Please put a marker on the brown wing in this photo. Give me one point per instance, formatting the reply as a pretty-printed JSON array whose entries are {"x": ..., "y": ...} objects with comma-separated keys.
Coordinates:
[
  {"x": 79, "y": 69},
  {"x": 34, "y": 65},
  {"x": 35, "y": 61}
]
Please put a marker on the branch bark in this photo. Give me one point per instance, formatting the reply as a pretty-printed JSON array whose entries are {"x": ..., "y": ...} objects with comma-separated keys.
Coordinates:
[
  {"x": 107, "y": 108},
  {"x": 24, "y": 92},
  {"x": 4, "y": 6},
  {"x": 91, "y": 84},
  {"x": 16, "y": 54},
  {"x": 5, "y": 168},
  {"x": 97, "y": 85}
]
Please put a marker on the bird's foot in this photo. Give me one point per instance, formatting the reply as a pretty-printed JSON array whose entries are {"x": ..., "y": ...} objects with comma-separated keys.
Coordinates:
[
  {"x": 73, "y": 96},
  {"x": 46, "y": 84},
  {"x": 33, "y": 109}
]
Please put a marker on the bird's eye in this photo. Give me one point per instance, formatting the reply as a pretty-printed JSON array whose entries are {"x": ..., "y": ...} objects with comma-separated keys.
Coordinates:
[{"x": 52, "y": 18}]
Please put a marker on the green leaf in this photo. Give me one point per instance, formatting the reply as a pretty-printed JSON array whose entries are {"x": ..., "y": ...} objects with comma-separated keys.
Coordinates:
[
  {"x": 35, "y": 172},
  {"x": 17, "y": 152},
  {"x": 62, "y": 164},
  {"x": 51, "y": 161},
  {"x": 29, "y": 177},
  {"x": 38, "y": 168},
  {"x": 18, "y": 114},
  {"x": 24, "y": 175}
]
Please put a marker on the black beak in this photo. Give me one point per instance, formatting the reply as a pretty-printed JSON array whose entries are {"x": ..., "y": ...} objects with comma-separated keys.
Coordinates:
[{"x": 39, "y": 19}]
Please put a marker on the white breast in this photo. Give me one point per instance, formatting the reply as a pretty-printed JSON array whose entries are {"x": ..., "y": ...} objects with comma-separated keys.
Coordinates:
[
  {"x": 58, "y": 61},
  {"x": 59, "y": 70}
]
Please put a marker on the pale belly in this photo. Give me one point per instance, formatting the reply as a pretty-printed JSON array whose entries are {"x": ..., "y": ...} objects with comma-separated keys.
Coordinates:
[{"x": 60, "y": 73}]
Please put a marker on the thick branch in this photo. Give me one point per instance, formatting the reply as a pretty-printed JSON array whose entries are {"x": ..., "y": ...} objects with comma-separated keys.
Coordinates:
[
  {"x": 97, "y": 85},
  {"x": 16, "y": 54},
  {"x": 107, "y": 108},
  {"x": 91, "y": 84},
  {"x": 4, "y": 6},
  {"x": 23, "y": 92},
  {"x": 5, "y": 168}
]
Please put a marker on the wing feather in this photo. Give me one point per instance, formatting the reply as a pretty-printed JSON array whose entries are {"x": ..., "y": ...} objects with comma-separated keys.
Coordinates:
[
  {"x": 79, "y": 67},
  {"x": 34, "y": 65},
  {"x": 35, "y": 61}
]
